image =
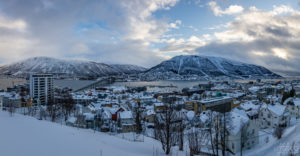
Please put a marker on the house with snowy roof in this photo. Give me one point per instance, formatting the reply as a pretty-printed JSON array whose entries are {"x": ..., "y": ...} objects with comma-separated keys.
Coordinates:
[
  {"x": 242, "y": 132},
  {"x": 251, "y": 108},
  {"x": 293, "y": 106},
  {"x": 149, "y": 115},
  {"x": 126, "y": 121},
  {"x": 273, "y": 115},
  {"x": 11, "y": 99},
  {"x": 206, "y": 118},
  {"x": 159, "y": 106}
]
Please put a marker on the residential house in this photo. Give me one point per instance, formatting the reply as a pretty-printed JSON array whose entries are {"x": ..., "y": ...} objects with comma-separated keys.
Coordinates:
[
  {"x": 273, "y": 115},
  {"x": 242, "y": 132},
  {"x": 293, "y": 106},
  {"x": 126, "y": 121},
  {"x": 11, "y": 99}
]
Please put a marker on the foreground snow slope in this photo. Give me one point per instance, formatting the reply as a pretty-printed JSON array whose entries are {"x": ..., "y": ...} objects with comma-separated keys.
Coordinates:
[
  {"x": 279, "y": 147},
  {"x": 26, "y": 136}
]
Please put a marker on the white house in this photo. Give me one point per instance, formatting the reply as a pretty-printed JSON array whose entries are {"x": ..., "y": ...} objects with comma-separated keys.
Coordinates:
[
  {"x": 242, "y": 132},
  {"x": 293, "y": 106},
  {"x": 273, "y": 115},
  {"x": 126, "y": 121}
]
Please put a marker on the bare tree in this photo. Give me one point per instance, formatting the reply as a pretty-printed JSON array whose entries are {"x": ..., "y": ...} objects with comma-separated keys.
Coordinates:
[
  {"x": 293, "y": 150},
  {"x": 278, "y": 132},
  {"x": 137, "y": 112},
  {"x": 80, "y": 121},
  {"x": 165, "y": 127},
  {"x": 210, "y": 130},
  {"x": 197, "y": 139},
  {"x": 11, "y": 109},
  {"x": 32, "y": 110},
  {"x": 42, "y": 114},
  {"x": 216, "y": 131},
  {"x": 53, "y": 110},
  {"x": 181, "y": 126},
  {"x": 67, "y": 104},
  {"x": 223, "y": 131},
  {"x": 244, "y": 137},
  {"x": 181, "y": 135}
]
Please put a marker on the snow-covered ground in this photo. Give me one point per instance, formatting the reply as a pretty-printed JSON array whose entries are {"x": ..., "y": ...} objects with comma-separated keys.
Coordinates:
[
  {"x": 275, "y": 147},
  {"x": 26, "y": 136}
]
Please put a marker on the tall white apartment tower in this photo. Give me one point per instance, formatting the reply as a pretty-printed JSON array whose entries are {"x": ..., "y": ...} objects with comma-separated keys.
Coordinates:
[{"x": 41, "y": 88}]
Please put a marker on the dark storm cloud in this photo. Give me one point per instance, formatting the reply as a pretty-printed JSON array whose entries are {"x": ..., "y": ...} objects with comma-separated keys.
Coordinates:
[{"x": 264, "y": 38}]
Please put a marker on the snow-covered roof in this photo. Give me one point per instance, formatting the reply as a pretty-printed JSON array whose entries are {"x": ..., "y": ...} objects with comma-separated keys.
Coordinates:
[
  {"x": 112, "y": 110},
  {"x": 248, "y": 105},
  {"x": 89, "y": 116},
  {"x": 237, "y": 121},
  {"x": 207, "y": 100},
  {"x": 157, "y": 104},
  {"x": 204, "y": 116},
  {"x": 150, "y": 112},
  {"x": 277, "y": 108},
  {"x": 297, "y": 101},
  {"x": 236, "y": 94},
  {"x": 126, "y": 115},
  {"x": 190, "y": 115},
  {"x": 254, "y": 89},
  {"x": 221, "y": 87}
]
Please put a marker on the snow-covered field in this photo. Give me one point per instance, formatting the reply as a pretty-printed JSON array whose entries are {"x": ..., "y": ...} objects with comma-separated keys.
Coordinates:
[{"x": 26, "y": 136}]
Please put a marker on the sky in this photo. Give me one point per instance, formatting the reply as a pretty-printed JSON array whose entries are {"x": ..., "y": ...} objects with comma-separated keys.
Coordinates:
[{"x": 146, "y": 32}]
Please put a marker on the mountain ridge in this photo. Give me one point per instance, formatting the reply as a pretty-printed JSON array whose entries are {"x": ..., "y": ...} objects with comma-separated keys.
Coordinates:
[
  {"x": 180, "y": 67},
  {"x": 65, "y": 67},
  {"x": 183, "y": 66}
]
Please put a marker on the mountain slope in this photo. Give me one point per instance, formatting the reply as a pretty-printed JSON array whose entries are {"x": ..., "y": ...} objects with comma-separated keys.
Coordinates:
[
  {"x": 210, "y": 67},
  {"x": 128, "y": 68},
  {"x": 61, "y": 67}
]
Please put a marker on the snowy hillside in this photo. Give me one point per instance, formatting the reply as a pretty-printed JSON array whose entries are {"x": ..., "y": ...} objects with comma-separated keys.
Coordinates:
[
  {"x": 205, "y": 66},
  {"x": 27, "y": 136},
  {"x": 275, "y": 147},
  {"x": 128, "y": 69},
  {"x": 64, "y": 67}
]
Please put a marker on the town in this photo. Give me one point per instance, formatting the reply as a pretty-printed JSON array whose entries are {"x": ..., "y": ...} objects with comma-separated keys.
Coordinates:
[{"x": 210, "y": 118}]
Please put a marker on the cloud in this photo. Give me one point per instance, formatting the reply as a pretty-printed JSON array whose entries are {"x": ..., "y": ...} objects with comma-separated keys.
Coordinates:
[
  {"x": 79, "y": 29},
  {"x": 268, "y": 38},
  {"x": 232, "y": 9},
  {"x": 175, "y": 25},
  {"x": 182, "y": 45},
  {"x": 18, "y": 25}
]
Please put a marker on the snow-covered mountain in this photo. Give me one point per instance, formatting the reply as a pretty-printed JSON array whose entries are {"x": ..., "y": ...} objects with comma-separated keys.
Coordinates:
[
  {"x": 207, "y": 67},
  {"x": 128, "y": 68},
  {"x": 64, "y": 67}
]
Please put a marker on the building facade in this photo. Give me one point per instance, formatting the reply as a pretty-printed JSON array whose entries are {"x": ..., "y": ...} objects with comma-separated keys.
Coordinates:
[{"x": 41, "y": 88}]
